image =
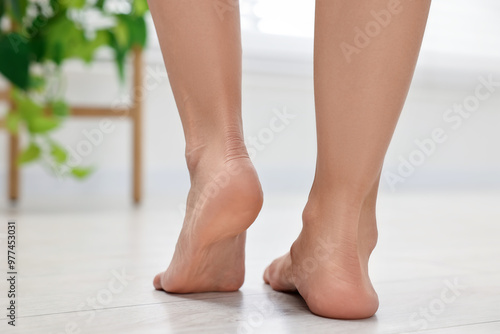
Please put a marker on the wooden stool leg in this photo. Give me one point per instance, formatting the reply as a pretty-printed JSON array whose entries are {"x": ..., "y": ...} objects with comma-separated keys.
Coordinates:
[
  {"x": 13, "y": 167},
  {"x": 137, "y": 127},
  {"x": 13, "y": 157}
]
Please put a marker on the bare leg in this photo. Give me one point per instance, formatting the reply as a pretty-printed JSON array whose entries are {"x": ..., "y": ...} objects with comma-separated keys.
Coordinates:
[
  {"x": 202, "y": 53},
  {"x": 358, "y": 103}
]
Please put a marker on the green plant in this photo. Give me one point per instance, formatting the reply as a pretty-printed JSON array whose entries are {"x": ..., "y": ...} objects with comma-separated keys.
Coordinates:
[{"x": 36, "y": 38}]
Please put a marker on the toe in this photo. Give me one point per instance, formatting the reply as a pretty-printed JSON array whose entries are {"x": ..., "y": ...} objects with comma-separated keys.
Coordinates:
[
  {"x": 157, "y": 281},
  {"x": 266, "y": 275},
  {"x": 279, "y": 274}
]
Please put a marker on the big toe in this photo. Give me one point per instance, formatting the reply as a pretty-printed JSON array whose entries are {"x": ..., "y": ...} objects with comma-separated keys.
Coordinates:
[
  {"x": 157, "y": 281},
  {"x": 279, "y": 274},
  {"x": 266, "y": 275}
]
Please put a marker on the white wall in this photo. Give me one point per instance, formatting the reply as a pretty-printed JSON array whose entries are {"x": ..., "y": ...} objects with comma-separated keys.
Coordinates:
[{"x": 278, "y": 74}]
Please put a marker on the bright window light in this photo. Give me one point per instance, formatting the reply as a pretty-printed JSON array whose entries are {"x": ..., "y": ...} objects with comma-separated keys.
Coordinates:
[
  {"x": 281, "y": 17},
  {"x": 455, "y": 26}
]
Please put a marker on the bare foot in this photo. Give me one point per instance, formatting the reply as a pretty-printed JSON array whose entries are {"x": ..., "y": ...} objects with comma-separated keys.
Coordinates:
[
  {"x": 328, "y": 263},
  {"x": 224, "y": 200}
]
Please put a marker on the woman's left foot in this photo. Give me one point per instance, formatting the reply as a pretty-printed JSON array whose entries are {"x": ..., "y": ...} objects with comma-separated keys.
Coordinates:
[{"x": 328, "y": 263}]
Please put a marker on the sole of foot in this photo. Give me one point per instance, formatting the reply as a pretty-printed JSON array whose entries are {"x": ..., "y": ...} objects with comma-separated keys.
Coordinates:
[{"x": 224, "y": 200}]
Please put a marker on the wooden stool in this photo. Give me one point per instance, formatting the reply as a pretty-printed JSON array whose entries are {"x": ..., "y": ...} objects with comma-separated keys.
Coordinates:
[{"x": 134, "y": 112}]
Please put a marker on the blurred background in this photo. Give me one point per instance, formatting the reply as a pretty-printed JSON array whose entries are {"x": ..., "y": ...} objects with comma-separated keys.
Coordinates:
[{"x": 461, "y": 50}]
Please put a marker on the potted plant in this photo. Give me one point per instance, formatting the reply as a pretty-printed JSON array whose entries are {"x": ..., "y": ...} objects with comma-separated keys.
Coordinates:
[{"x": 36, "y": 38}]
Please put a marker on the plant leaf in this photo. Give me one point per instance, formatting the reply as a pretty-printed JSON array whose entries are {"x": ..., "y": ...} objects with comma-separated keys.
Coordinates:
[
  {"x": 37, "y": 47},
  {"x": 2, "y": 8},
  {"x": 60, "y": 108},
  {"x": 37, "y": 83},
  {"x": 63, "y": 38},
  {"x": 100, "y": 4},
  {"x": 120, "y": 55},
  {"x": 81, "y": 172},
  {"x": 14, "y": 59},
  {"x": 18, "y": 9},
  {"x": 139, "y": 7},
  {"x": 31, "y": 153},
  {"x": 56, "y": 4},
  {"x": 76, "y": 3},
  {"x": 137, "y": 30},
  {"x": 58, "y": 153},
  {"x": 121, "y": 32},
  {"x": 86, "y": 49},
  {"x": 26, "y": 107},
  {"x": 43, "y": 124}
]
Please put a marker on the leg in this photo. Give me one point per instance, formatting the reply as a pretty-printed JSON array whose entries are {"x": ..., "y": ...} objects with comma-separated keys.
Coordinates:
[
  {"x": 202, "y": 53},
  {"x": 13, "y": 167},
  {"x": 137, "y": 129},
  {"x": 13, "y": 158},
  {"x": 359, "y": 96}
]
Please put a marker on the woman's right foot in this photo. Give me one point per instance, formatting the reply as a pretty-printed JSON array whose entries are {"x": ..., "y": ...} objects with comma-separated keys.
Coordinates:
[
  {"x": 328, "y": 263},
  {"x": 224, "y": 200}
]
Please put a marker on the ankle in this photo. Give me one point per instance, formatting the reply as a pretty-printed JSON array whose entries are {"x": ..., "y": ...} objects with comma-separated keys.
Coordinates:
[
  {"x": 349, "y": 215},
  {"x": 331, "y": 208},
  {"x": 358, "y": 198},
  {"x": 220, "y": 150}
]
